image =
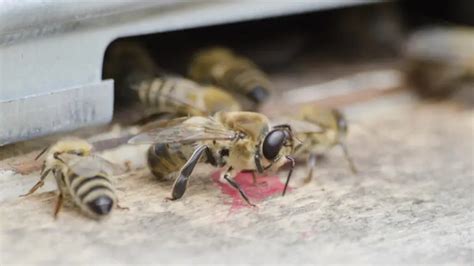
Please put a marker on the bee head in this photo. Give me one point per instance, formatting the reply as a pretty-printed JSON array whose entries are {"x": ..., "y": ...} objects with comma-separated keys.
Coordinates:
[
  {"x": 277, "y": 145},
  {"x": 277, "y": 139},
  {"x": 74, "y": 146},
  {"x": 258, "y": 94}
]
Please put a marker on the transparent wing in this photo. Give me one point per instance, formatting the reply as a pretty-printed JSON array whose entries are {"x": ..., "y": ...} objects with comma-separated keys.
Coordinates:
[
  {"x": 91, "y": 165},
  {"x": 297, "y": 126},
  {"x": 191, "y": 130},
  {"x": 187, "y": 86},
  {"x": 184, "y": 103},
  {"x": 164, "y": 123}
]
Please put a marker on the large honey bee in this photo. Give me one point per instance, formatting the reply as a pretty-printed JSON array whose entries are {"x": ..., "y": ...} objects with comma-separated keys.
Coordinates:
[
  {"x": 182, "y": 96},
  {"x": 334, "y": 129},
  {"x": 235, "y": 140},
  {"x": 80, "y": 176},
  {"x": 221, "y": 67}
]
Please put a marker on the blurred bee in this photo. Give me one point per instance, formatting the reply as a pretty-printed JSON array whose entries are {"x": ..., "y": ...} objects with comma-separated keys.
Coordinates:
[
  {"x": 333, "y": 131},
  {"x": 223, "y": 68},
  {"x": 136, "y": 75},
  {"x": 439, "y": 61},
  {"x": 128, "y": 63},
  {"x": 235, "y": 140},
  {"x": 80, "y": 176},
  {"x": 182, "y": 96}
]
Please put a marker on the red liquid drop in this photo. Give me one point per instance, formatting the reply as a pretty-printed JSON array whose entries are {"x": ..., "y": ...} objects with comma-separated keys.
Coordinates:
[{"x": 265, "y": 187}]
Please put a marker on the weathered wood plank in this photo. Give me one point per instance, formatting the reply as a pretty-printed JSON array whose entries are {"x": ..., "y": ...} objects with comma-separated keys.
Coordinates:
[{"x": 412, "y": 202}]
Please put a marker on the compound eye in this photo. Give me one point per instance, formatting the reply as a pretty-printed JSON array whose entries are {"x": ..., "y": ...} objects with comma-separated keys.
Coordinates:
[{"x": 272, "y": 144}]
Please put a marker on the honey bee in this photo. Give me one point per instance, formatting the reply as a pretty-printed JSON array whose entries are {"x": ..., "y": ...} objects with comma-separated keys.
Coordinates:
[
  {"x": 128, "y": 63},
  {"x": 137, "y": 74},
  {"x": 182, "y": 96},
  {"x": 440, "y": 61},
  {"x": 80, "y": 176},
  {"x": 235, "y": 140},
  {"x": 334, "y": 129},
  {"x": 221, "y": 67}
]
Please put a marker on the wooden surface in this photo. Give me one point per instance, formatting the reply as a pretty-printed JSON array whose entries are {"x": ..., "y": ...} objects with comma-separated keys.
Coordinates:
[{"x": 411, "y": 203}]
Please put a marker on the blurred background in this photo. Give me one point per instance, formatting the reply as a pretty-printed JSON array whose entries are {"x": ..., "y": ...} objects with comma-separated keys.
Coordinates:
[{"x": 298, "y": 44}]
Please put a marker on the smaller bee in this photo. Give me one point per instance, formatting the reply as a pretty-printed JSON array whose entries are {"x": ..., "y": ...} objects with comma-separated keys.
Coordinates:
[
  {"x": 333, "y": 132},
  {"x": 182, "y": 96},
  {"x": 221, "y": 67},
  {"x": 80, "y": 176}
]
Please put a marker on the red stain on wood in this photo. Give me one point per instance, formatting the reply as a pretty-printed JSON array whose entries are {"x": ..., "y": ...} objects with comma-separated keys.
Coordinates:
[{"x": 265, "y": 187}]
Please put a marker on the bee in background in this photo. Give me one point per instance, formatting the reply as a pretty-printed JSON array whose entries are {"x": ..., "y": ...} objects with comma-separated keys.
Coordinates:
[
  {"x": 221, "y": 67},
  {"x": 439, "y": 62},
  {"x": 136, "y": 75},
  {"x": 235, "y": 140},
  {"x": 80, "y": 176},
  {"x": 183, "y": 97},
  {"x": 333, "y": 132},
  {"x": 128, "y": 63}
]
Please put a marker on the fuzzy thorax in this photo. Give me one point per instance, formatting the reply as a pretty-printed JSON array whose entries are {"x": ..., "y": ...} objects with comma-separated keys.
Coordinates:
[{"x": 73, "y": 146}]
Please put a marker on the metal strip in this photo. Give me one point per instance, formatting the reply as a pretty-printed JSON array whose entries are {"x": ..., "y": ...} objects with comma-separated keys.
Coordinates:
[{"x": 64, "y": 110}]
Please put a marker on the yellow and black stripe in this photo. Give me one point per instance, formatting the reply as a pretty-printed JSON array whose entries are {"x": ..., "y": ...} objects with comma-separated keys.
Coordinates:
[
  {"x": 94, "y": 194},
  {"x": 164, "y": 159},
  {"x": 157, "y": 93},
  {"x": 223, "y": 68},
  {"x": 244, "y": 78}
]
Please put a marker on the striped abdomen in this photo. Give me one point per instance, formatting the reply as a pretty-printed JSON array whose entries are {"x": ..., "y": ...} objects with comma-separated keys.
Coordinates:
[
  {"x": 171, "y": 94},
  {"x": 223, "y": 68},
  {"x": 93, "y": 194},
  {"x": 245, "y": 78},
  {"x": 165, "y": 159}
]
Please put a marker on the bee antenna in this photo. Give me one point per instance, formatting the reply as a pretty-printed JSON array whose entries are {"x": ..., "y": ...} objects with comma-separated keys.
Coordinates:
[
  {"x": 41, "y": 153},
  {"x": 290, "y": 133},
  {"x": 289, "y": 173}
]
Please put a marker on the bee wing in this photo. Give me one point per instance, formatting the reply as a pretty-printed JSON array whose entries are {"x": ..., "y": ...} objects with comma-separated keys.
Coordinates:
[
  {"x": 93, "y": 165},
  {"x": 184, "y": 102},
  {"x": 191, "y": 130},
  {"x": 110, "y": 167},
  {"x": 189, "y": 104},
  {"x": 163, "y": 123},
  {"x": 297, "y": 126}
]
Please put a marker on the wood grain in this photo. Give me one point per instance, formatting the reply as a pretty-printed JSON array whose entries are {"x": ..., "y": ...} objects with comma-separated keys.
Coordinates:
[{"x": 411, "y": 203}]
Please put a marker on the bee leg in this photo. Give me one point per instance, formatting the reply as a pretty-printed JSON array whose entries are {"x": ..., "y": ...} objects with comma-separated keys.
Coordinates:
[
  {"x": 348, "y": 158},
  {"x": 56, "y": 156},
  {"x": 39, "y": 184},
  {"x": 254, "y": 178},
  {"x": 180, "y": 184},
  {"x": 292, "y": 161},
  {"x": 237, "y": 186},
  {"x": 311, "y": 166},
  {"x": 258, "y": 164},
  {"x": 59, "y": 205}
]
